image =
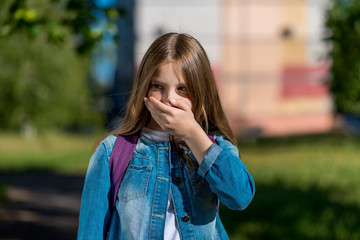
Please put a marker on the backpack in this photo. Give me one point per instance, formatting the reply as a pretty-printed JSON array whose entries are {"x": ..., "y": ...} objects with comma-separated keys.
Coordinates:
[{"x": 119, "y": 160}]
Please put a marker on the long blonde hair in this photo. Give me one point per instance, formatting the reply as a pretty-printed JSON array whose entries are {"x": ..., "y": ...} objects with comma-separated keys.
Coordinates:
[{"x": 191, "y": 61}]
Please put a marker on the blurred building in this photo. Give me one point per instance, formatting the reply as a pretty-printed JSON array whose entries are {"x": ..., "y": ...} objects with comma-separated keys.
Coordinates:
[{"x": 267, "y": 55}]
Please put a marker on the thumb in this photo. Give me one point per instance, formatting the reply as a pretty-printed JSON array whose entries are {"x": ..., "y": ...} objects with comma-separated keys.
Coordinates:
[{"x": 182, "y": 104}]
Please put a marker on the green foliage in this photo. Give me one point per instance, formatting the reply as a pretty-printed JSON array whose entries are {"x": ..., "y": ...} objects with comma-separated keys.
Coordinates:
[
  {"x": 44, "y": 55},
  {"x": 343, "y": 21},
  {"x": 57, "y": 20},
  {"x": 42, "y": 84}
]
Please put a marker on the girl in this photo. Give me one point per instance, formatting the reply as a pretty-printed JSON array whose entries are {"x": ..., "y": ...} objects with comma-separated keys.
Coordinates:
[{"x": 177, "y": 174}]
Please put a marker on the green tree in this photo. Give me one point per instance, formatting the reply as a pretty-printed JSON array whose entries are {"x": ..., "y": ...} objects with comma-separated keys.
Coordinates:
[
  {"x": 45, "y": 48},
  {"x": 343, "y": 21}
]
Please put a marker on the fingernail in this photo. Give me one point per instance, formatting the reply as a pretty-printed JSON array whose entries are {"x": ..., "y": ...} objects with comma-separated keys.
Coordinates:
[{"x": 173, "y": 100}]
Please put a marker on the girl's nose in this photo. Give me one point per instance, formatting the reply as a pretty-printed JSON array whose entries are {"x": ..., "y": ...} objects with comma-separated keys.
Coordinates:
[{"x": 171, "y": 94}]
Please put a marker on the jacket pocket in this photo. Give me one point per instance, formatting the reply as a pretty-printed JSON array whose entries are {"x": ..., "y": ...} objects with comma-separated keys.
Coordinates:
[{"x": 135, "y": 182}]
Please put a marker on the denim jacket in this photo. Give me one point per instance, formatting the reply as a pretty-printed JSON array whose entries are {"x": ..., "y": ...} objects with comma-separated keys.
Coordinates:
[{"x": 153, "y": 171}]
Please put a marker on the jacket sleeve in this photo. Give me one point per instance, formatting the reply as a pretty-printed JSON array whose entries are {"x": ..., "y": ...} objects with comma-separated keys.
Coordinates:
[
  {"x": 95, "y": 213},
  {"x": 227, "y": 175}
]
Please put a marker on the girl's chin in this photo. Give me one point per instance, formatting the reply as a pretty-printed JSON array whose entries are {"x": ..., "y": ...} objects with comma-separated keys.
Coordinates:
[{"x": 154, "y": 125}]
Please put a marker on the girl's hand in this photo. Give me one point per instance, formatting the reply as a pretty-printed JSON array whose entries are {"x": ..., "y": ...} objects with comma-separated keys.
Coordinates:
[{"x": 176, "y": 118}]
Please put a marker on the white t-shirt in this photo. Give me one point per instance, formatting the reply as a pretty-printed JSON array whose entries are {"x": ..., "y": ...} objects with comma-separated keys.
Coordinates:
[{"x": 171, "y": 230}]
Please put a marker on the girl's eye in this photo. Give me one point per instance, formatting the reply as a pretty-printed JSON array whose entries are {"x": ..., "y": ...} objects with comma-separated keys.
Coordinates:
[
  {"x": 182, "y": 89},
  {"x": 157, "y": 86}
]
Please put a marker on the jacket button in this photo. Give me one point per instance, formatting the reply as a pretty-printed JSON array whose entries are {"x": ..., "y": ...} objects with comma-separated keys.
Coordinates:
[
  {"x": 177, "y": 180},
  {"x": 185, "y": 219}
]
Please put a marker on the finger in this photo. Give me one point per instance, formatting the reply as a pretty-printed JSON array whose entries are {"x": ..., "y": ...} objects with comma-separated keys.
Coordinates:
[
  {"x": 182, "y": 104},
  {"x": 159, "y": 105},
  {"x": 155, "y": 108},
  {"x": 155, "y": 113},
  {"x": 149, "y": 105}
]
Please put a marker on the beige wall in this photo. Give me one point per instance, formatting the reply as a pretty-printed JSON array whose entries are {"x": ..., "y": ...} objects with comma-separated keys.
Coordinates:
[
  {"x": 256, "y": 51},
  {"x": 294, "y": 48}
]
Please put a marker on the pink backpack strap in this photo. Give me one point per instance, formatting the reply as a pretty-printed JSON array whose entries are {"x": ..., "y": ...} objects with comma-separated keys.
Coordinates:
[{"x": 119, "y": 160}]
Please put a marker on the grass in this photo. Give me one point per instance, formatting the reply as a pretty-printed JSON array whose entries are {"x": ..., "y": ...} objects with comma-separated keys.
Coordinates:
[
  {"x": 306, "y": 187},
  {"x": 302, "y": 162},
  {"x": 67, "y": 154}
]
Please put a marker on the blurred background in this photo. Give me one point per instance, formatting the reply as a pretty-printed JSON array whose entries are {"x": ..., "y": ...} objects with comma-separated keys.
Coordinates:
[{"x": 288, "y": 75}]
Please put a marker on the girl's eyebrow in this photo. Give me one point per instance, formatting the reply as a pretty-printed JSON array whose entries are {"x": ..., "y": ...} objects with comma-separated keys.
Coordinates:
[
  {"x": 155, "y": 81},
  {"x": 158, "y": 80}
]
